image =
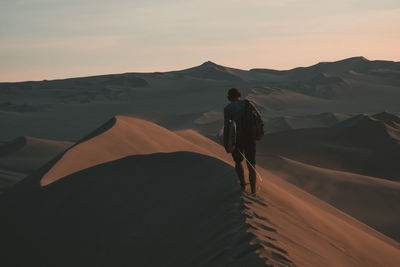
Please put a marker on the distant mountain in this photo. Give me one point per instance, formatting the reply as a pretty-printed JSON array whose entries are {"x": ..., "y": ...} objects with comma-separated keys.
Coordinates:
[
  {"x": 330, "y": 79},
  {"x": 80, "y": 90},
  {"x": 210, "y": 70},
  {"x": 126, "y": 79},
  {"x": 356, "y": 64}
]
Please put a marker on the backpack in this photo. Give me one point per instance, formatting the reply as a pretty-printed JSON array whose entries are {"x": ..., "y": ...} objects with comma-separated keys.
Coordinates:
[
  {"x": 252, "y": 121},
  {"x": 230, "y": 135}
]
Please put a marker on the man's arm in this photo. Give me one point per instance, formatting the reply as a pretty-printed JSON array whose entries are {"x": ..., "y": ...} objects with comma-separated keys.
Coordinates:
[{"x": 226, "y": 120}]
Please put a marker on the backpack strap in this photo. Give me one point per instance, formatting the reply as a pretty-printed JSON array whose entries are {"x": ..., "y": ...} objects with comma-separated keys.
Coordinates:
[{"x": 252, "y": 106}]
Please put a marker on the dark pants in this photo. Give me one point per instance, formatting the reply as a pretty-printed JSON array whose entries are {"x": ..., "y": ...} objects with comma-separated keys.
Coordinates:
[{"x": 248, "y": 149}]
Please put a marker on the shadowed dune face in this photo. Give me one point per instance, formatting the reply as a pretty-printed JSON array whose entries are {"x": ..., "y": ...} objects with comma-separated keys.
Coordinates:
[{"x": 176, "y": 209}]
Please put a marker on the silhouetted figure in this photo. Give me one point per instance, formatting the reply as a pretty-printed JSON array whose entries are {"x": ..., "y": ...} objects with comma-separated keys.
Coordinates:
[{"x": 245, "y": 142}]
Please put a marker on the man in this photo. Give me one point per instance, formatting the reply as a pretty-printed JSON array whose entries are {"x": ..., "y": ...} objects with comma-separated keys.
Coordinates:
[{"x": 245, "y": 144}]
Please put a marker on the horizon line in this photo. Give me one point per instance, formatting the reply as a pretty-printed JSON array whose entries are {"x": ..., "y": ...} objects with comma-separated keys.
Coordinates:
[{"x": 185, "y": 68}]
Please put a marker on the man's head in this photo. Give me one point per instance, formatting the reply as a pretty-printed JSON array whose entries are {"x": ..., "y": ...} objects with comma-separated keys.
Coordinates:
[{"x": 234, "y": 94}]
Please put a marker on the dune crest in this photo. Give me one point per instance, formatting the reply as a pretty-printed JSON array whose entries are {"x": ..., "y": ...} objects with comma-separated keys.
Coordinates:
[{"x": 123, "y": 136}]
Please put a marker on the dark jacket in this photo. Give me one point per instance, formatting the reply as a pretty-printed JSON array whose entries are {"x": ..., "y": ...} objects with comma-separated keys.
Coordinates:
[{"x": 235, "y": 111}]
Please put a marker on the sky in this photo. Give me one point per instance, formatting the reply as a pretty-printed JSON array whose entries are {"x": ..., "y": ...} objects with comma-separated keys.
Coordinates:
[{"x": 51, "y": 39}]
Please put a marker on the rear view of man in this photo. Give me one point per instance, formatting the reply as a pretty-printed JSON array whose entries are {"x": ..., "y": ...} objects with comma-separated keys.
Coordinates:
[{"x": 245, "y": 142}]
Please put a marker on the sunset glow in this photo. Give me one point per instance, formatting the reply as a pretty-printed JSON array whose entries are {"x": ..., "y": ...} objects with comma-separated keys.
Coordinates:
[{"x": 43, "y": 39}]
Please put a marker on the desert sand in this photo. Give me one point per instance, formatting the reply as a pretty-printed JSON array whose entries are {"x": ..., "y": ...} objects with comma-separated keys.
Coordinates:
[
  {"x": 24, "y": 155},
  {"x": 371, "y": 200},
  {"x": 125, "y": 169},
  {"x": 68, "y": 109},
  {"x": 120, "y": 196},
  {"x": 363, "y": 144}
]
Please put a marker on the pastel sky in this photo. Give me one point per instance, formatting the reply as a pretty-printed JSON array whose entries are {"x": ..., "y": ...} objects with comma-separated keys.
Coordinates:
[{"x": 48, "y": 39}]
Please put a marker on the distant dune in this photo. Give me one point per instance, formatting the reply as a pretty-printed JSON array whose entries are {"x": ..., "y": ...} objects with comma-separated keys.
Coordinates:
[
  {"x": 362, "y": 144},
  {"x": 388, "y": 124},
  {"x": 121, "y": 209},
  {"x": 284, "y": 123},
  {"x": 351, "y": 86},
  {"x": 24, "y": 155}
]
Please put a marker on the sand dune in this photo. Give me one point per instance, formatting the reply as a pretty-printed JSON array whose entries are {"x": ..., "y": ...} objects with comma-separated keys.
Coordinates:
[
  {"x": 284, "y": 123},
  {"x": 314, "y": 233},
  {"x": 152, "y": 191},
  {"x": 24, "y": 155},
  {"x": 361, "y": 144},
  {"x": 373, "y": 201},
  {"x": 9, "y": 178},
  {"x": 185, "y": 208},
  {"x": 123, "y": 136},
  {"x": 27, "y": 153},
  {"x": 176, "y": 209},
  {"x": 277, "y": 124}
]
